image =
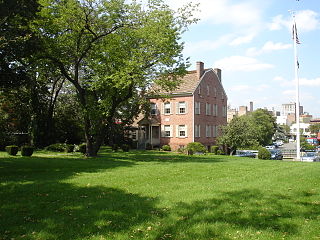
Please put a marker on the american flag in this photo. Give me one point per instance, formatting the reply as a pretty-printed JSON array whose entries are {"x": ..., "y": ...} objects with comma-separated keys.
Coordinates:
[{"x": 295, "y": 33}]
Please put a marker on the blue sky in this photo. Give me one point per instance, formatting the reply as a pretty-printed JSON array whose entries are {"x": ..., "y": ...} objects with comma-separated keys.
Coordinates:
[{"x": 251, "y": 41}]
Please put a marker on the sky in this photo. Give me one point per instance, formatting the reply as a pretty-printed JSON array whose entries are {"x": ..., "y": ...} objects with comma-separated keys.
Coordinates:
[{"x": 251, "y": 42}]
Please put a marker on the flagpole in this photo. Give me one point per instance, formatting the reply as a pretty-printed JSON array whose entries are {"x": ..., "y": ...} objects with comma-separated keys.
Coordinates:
[{"x": 295, "y": 40}]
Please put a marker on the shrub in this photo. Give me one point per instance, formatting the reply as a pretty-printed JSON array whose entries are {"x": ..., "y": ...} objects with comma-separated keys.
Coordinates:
[
  {"x": 166, "y": 148},
  {"x": 194, "y": 147},
  {"x": 83, "y": 148},
  {"x": 12, "y": 150},
  {"x": 57, "y": 147},
  {"x": 125, "y": 147},
  {"x": 148, "y": 146},
  {"x": 69, "y": 148},
  {"x": 264, "y": 154},
  {"x": 214, "y": 149},
  {"x": 27, "y": 151},
  {"x": 115, "y": 147},
  {"x": 220, "y": 152}
]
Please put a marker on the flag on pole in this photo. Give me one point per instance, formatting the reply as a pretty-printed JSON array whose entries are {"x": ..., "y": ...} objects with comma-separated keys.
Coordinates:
[{"x": 295, "y": 33}]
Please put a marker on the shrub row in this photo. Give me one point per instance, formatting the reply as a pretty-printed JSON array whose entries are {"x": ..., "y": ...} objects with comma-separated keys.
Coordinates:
[
  {"x": 60, "y": 147},
  {"x": 26, "y": 151}
]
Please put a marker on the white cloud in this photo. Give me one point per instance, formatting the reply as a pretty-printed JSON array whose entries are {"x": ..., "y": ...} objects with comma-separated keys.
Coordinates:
[
  {"x": 241, "y": 63},
  {"x": 241, "y": 40},
  {"x": 306, "y": 20},
  {"x": 240, "y": 88},
  {"x": 267, "y": 47},
  {"x": 205, "y": 45},
  {"x": 310, "y": 82},
  {"x": 224, "y": 11}
]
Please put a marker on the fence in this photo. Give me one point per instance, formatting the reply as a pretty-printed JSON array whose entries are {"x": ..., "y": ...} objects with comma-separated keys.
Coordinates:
[{"x": 289, "y": 153}]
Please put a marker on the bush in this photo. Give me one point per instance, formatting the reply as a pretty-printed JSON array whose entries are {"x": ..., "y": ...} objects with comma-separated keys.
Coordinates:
[
  {"x": 57, "y": 147},
  {"x": 194, "y": 147},
  {"x": 115, "y": 147},
  {"x": 264, "y": 154},
  {"x": 166, "y": 148},
  {"x": 214, "y": 149},
  {"x": 125, "y": 147},
  {"x": 27, "y": 151},
  {"x": 69, "y": 148},
  {"x": 83, "y": 148},
  {"x": 12, "y": 150},
  {"x": 148, "y": 146},
  {"x": 220, "y": 152}
]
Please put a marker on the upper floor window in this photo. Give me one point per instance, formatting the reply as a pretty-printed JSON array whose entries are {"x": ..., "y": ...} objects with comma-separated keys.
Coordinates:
[
  {"x": 208, "y": 109},
  {"x": 208, "y": 90},
  {"x": 215, "y": 92},
  {"x": 167, "y": 108},
  {"x": 181, "y": 107},
  {"x": 199, "y": 89},
  {"x": 215, "y": 110},
  {"x": 153, "y": 109},
  {"x": 197, "y": 108}
]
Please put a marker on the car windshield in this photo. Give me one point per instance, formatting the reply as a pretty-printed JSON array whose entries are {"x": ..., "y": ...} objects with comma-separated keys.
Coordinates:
[
  {"x": 274, "y": 151},
  {"x": 310, "y": 154}
]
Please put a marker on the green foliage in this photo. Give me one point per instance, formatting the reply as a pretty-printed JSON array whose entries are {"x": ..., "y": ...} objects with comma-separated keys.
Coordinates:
[
  {"x": 69, "y": 148},
  {"x": 220, "y": 152},
  {"x": 194, "y": 147},
  {"x": 166, "y": 148},
  {"x": 56, "y": 147},
  {"x": 83, "y": 148},
  {"x": 254, "y": 129},
  {"x": 264, "y": 154},
  {"x": 27, "y": 151},
  {"x": 314, "y": 128},
  {"x": 148, "y": 146},
  {"x": 115, "y": 147},
  {"x": 12, "y": 150},
  {"x": 305, "y": 145},
  {"x": 214, "y": 149},
  {"x": 125, "y": 147}
]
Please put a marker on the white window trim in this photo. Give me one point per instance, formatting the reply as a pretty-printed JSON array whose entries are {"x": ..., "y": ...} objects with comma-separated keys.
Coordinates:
[
  {"x": 178, "y": 129},
  {"x": 164, "y": 108}
]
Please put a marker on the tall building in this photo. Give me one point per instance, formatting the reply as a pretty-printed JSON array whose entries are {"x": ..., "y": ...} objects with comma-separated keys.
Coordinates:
[{"x": 290, "y": 108}]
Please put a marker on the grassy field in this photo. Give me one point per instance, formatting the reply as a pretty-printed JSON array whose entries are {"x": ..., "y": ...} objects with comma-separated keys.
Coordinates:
[{"x": 157, "y": 195}]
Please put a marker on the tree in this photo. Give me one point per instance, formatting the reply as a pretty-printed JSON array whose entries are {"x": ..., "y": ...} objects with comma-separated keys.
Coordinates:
[
  {"x": 110, "y": 51},
  {"x": 239, "y": 133},
  {"x": 315, "y": 128},
  {"x": 247, "y": 131},
  {"x": 265, "y": 125}
]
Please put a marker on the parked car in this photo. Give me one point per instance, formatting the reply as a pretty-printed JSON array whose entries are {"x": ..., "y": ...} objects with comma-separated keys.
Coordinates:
[
  {"x": 276, "y": 154},
  {"x": 310, "y": 157},
  {"x": 241, "y": 153},
  {"x": 271, "y": 147}
]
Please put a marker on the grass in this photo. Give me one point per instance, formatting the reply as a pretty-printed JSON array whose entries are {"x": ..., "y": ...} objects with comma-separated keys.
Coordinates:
[{"x": 157, "y": 195}]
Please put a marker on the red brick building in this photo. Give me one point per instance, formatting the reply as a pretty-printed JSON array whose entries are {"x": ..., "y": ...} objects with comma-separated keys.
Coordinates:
[{"x": 192, "y": 113}]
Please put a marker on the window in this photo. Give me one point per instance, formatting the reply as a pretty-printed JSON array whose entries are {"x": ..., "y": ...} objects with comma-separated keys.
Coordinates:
[
  {"x": 167, "y": 131},
  {"x": 208, "y": 131},
  {"x": 214, "y": 131},
  {"x": 197, "y": 108},
  {"x": 208, "y": 109},
  {"x": 222, "y": 96},
  {"x": 167, "y": 108},
  {"x": 215, "y": 92},
  {"x": 199, "y": 89},
  {"x": 224, "y": 111},
  {"x": 153, "y": 109},
  {"x": 182, "y": 131},
  {"x": 208, "y": 90},
  {"x": 197, "y": 131},
  {"x": 181, "y": 107},
  {"x": 215, "y": 110}
]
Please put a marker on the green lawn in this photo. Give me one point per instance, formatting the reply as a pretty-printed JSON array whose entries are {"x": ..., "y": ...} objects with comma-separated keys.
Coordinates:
[{"x": 157, "y": 195}]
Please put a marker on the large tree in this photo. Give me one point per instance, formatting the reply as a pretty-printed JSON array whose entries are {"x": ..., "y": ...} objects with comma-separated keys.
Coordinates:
[
  {"x": 252, "y": 130},
  {"x": 111, "y": 51}
]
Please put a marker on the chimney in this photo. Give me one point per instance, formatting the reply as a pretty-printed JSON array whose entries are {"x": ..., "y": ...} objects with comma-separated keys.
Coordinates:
[
  {"x": 251, "y": 106},
  {"x": 200, "y": 69},
  {"x": 218, "y": 72}
]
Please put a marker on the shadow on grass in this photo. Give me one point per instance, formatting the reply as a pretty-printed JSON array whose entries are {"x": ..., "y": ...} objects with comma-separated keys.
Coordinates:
[
  {"x": 63, "y": 211},
  {"x": 159, "y": 156},
  {"x": 248, "y": 212}
]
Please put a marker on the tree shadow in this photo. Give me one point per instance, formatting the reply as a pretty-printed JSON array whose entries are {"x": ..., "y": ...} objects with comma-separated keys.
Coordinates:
[
  {"x": 155, "y": 156},
  {"x": 70, "y": 212},
  {"x": 246, "y": 211}
]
